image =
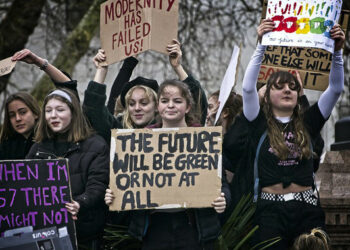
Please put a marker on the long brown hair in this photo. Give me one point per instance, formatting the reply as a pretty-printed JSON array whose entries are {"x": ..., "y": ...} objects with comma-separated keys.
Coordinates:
[
  {"x": 233, "y": 107},
  {"x": 79, "y": 128},
  {"x": 275, "y": 131},
  {"x": 191, "y": 117},
  {"x": 7, "y": 129}
]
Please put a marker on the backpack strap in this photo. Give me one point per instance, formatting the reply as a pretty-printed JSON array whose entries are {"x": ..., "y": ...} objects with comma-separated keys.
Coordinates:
[
  {"x": 256, "y": 172},
  {"x": 314, "y": 186}
]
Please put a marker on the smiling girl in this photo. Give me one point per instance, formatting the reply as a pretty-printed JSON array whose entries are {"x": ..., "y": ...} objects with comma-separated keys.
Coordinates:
[
  {"x": 22, "y": 111},
  {"x": 63, "y": 132},
  {"x": 286, "y": 204},
  {"x": 176, "y": 228}
]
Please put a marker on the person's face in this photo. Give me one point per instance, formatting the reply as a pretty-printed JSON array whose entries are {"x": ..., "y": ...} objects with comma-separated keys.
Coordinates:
[
  {"x": 172, "y": 106},
  {"x": 212, "y": 104},
  {"x": 21, "y": 117},
  {"x": 57, "y": 115},
  {"x": 283, "y": 97},
  {"x": 141, "y": 108}
]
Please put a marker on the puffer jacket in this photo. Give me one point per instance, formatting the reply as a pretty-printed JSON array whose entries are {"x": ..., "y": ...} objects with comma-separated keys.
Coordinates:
[{"x": 88, "y": 162}]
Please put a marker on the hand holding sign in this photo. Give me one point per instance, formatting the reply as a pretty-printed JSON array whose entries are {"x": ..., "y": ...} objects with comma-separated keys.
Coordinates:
[
  {"x": 101, "y": 66},
  {"x": 266, "y": 25},
  {"x": 109, "y": 197},
  {"x": 175, "y": 53},
  {"x": 339, "y": 37},
  {"x": 100, "y": 59},
  {"x": 27, "y": 56},
  {"x": 73, "y": 208},
  {"x": 219, "y": 204}
]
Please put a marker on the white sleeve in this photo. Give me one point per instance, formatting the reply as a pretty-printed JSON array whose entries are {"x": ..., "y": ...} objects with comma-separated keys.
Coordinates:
[
  {"x": 330, "y": 96},
  {"x": 251, "y": 105}
]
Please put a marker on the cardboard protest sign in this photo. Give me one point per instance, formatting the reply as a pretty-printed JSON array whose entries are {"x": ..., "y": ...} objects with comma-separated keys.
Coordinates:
[
  {"x": 34, "y": 193},
  {"x": 302, "y": 23},
  {"x": 130, "y": 27},
  {"x": 6, "y": 66},
  {"x": 313, "y": 65},
  {"x": 165, "y": 168},
  {"x": 229, "y": 81}
]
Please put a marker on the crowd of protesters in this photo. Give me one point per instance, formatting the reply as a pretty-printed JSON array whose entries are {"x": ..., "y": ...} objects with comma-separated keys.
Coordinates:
[{"x": 271, "y": 146}]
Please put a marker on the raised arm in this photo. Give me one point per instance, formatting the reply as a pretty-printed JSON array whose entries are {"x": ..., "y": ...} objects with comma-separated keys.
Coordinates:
[
  {"x": 175, "y": 55},
  {"x": 29, "y": 57},
  {"x": 122, "y": 78},
  {"x": 94, "y": 101},
  {"x": 101, "y": 70},
  {"x": 330, "y": 96},
  {"x": 251, "y": 104},
  {"x": 199, "y": 96}
]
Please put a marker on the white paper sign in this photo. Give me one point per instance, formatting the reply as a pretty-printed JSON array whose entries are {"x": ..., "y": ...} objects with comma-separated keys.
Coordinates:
[
  {"x": 228, "y": 82},
  {"x": 302, "y": 23}
]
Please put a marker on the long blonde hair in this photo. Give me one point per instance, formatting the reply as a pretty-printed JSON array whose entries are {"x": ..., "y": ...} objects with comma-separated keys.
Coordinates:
[
  {"x": 275, "y": 131},
  {"x": 151, "y": 95}
]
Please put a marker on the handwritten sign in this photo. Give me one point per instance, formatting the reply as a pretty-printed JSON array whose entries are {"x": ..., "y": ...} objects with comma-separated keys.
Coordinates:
[
  {"x": 34, "y": 193},
  {"x": 313, "y": 65},
  {"x": 130, "y": 27},
  {"x": 6, "y": 66},
  {"x": 304, "y": 23},
  {"x": 165, "y": 168}
]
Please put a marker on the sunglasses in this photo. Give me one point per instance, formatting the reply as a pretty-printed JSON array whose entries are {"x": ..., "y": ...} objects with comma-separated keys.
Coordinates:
[{"x": 291, "y": 85}]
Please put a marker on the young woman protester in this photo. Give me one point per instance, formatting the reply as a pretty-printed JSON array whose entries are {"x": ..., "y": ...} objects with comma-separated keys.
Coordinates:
[
  {"x": 22, "y": 110},
  {"x": 287, "y": 206},
  {"x": 176, "y": 228},
  {"x": 232, "y": 108},
  {"x": 63, "y": 132}
]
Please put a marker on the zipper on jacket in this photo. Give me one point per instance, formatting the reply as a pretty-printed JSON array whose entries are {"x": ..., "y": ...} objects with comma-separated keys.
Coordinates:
[{"x": 48, "y": 155}]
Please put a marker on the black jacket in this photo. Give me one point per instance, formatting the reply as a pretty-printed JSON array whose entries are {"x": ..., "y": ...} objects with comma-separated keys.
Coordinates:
[
  {"x": 16, "y": 147},
  {"x": 89, "y": 176}
]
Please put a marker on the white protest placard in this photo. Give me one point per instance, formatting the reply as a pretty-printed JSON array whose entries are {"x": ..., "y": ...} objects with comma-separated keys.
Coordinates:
[
  {"x": 130, "y": 27},
  {"x": 302, "y": 23},
  {"x": 228, "y": 82},
  {"x": 165, "y": 168},
  {"x": 6, "y": 66}
]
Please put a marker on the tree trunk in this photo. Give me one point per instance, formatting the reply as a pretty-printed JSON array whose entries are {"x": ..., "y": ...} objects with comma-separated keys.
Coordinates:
[
  {"x": 73, "y": 49},
  {"x": 16, "y": 28}
]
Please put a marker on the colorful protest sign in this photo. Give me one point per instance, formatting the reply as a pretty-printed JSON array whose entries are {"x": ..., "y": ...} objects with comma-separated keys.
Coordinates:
[
  {"x": 165, "y": 168},
  {"x": 130, "y": 27},
  {"x": 6, "y": 66},
  {"x": 302, "y": 23},
  {"x": 34, "y": 193},
  {"x": 313, "y": 65}
]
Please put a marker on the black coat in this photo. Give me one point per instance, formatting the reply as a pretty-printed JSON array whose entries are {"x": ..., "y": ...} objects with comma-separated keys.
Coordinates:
[
  {"x": 16, "y": 147},
  {"x": 89, "y": 176}
]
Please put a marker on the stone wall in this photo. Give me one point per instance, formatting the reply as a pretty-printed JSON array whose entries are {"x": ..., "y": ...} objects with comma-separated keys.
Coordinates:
[{"x": 334, "y": 179}]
